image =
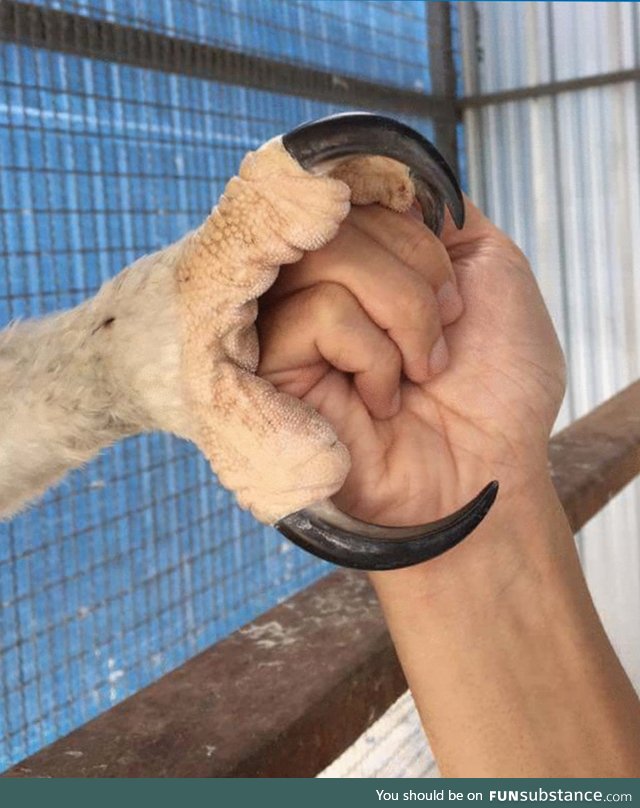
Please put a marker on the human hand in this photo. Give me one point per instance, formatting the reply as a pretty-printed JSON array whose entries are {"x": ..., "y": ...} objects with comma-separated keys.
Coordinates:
[{"x": 353, "y": 324}]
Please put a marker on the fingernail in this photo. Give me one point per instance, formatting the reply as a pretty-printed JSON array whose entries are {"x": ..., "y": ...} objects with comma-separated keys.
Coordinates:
[
  {"x": 439, "y": 356},
  {"x": 449, "y": 301}
]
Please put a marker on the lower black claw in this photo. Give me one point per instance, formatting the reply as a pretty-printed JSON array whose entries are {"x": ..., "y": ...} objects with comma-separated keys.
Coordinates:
[
  {"x": 340, "y": 136},
  {"x": 332, "y": 535}
]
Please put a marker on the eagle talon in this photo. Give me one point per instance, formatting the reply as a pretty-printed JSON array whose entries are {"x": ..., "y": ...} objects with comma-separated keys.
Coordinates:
[
  {"x": 327, "y": 141},
  {"x": 326, "y": 532}
]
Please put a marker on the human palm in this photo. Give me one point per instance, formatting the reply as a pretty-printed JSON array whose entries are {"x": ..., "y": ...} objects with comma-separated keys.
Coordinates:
[{"x": 486, "y": 416}]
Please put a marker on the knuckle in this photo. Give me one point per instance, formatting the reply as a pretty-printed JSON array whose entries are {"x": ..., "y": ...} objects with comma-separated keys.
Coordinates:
[
  {"x": 425, "y": 252},
  {"x": 416, "y": 303},
  {"x": 435, "y": 263},
  {"x": 391, "y": 355},
  {"x": 330, "y": 300},
  {"x": 438, "y": 257},
  {"x": 418, "y": 243},
  {"x": 381, "y": 351}
]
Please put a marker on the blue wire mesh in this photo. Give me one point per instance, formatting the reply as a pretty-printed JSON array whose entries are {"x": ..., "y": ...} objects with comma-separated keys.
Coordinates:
[
  {"x": 380, "y": 41},
  {"x": 139, "y": 561}
]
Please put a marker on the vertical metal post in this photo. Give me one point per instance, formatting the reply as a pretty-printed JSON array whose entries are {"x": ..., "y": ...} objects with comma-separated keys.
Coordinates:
[{"x": 443, "y": 78}]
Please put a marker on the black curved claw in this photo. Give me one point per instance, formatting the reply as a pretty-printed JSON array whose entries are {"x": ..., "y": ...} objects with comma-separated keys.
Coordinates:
[
  {"x": 332, "y": 535},
  {"x": 344, "y": 135}
]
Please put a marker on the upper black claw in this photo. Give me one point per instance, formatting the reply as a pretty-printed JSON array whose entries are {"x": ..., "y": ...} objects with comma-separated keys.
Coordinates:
[
  {"x": 340, "y": 136},
  {"x": 332, "y": 535}
]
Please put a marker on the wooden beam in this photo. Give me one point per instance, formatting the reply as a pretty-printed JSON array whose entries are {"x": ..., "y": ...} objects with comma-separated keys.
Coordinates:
[{"x": 594, "y": 458}]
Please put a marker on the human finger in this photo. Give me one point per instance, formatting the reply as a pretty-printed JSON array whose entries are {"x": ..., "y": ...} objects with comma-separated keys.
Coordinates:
[
  {"x": 398, "y": 299},
  {"x": 322, "y": 325},
  {"x": 405, "y": 236}
]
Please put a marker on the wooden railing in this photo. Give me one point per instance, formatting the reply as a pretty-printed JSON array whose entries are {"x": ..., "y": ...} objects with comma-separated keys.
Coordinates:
[{"x": 288, "y": 693}]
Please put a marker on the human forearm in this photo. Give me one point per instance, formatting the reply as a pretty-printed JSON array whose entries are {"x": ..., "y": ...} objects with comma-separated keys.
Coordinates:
[{"x": 507, "y": 660}]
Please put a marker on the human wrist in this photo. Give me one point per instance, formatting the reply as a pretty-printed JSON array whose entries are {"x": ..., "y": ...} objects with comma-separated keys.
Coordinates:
[{"x": 525, "y": 535}]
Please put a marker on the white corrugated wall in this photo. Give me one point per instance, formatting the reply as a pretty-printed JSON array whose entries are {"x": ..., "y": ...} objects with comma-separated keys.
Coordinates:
[{"x": 561, "y": 175}]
